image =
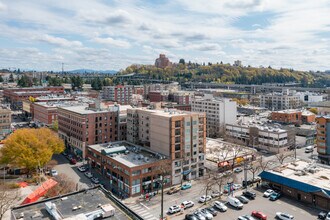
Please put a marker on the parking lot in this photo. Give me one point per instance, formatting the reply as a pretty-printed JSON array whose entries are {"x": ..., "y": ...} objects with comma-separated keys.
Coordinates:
[{"x": 268, "y": 207}]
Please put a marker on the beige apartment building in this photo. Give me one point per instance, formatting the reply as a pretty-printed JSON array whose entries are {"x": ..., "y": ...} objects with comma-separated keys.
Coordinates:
[
  {"x": 179, "y": 135},
  {"x": 5, "y": 122}
]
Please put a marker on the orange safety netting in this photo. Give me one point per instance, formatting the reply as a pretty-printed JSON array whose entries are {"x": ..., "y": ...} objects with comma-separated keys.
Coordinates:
[{"x": 40, "y": 191}]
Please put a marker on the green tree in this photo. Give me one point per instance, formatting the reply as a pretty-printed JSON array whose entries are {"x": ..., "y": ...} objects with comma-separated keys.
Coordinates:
[
  {"x": 77, "y": 82},
  {"x": 1, "y": 79},
  {"x": 182, "y": 61},
  {"x": 11, "y": 78},
  {"x": 31, "y": 148}
]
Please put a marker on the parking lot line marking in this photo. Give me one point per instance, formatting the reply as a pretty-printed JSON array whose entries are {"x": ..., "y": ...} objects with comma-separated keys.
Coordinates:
[
  {"x": 143, "y": 211},
  {"x": 147, "y": 216},
  {"x": 144, "y": 206}
]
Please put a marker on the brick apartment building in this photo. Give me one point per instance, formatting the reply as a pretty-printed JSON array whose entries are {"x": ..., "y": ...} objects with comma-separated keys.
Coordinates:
[
  {"x": 120, "y": 94},
  {"x": 83, "y": 125},
  {"x": 292, "y": 116},
  {"x": 158, "y": 96},
  {"x": 323, "y": 138},
  {"x": 5, "y": 122},
  {"x": 181, "y": 136},
  {"x": 162, "y": 61},
  {"x": 131, "y": 169},
  {"x": 15, "y": 96}
]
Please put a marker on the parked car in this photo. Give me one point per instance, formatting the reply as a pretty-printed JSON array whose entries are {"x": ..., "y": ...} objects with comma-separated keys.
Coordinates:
[
  {"x": 212, "y": 211},
  {"x": 219, "y": 205},
  {"x": 268, "y": 192},
  {"x": 204, "y": 198},
  {"x": 328, "y": 216},
  {"x": 249, "y": 194},
  {"x": 206, "y": 214},
  {"x": 284, "y": 216},
  {"x": 245, "y": 217},
  {"x": 238, "y": 170},
  {"x": 95, "y": 180},
  {"x": 174, "y": 209},
  {"x": 309, "y": 149},
  {"x": 173, "y": 189},
  {"x": 322, "y": 215},
  {"x": 243, "y": 199},
  {"x": 73, "y": 161},
  {"x": 89, "y": 174},
  {"x": 234, "y": 202},
  {"x": 237, "y": 186},
  {"x": 187, "y": 204},
  {"x": 82, "y": 169},
  {"x": 215, "y": 194},
  {"x": 186, "y": 186},
  {"x": 53, "y": 172},
  {"x": 259, "y": 215},
  {"x": 199, "y": 215},
  {"x": 274, "y": 196},
  {"x": 191, "y": 217}
]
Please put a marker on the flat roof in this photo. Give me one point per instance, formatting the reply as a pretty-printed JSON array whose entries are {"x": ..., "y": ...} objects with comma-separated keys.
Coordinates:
[
  {"x": 305, "y": 172},
  {"x": 90, "y": 200},
  {"x": 136, "y": 155},
  {"x": 169, "y": 112},
  {"x": 84, "y": 109}
]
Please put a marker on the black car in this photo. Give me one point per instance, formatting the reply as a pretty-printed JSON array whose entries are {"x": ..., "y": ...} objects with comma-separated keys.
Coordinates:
[
  {"x": 243, "y": 199},
  {"x": 191, "y": 217},
  {"x": 249, "y": 194},
  {"x": 322, "y": 215},
  {"x": 212, "y": 211}
]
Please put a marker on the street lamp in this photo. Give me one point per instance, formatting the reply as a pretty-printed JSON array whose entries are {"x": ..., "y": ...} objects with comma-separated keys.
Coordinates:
[{"x": 162, "y": 198}]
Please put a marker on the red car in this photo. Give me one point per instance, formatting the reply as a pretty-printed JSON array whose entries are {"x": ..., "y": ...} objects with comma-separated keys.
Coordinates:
[
  {"x": 73, "y": 161},
  {"x": 259, "y": 215}
]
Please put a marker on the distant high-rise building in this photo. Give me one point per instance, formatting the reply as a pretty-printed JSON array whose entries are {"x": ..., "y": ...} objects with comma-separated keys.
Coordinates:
[
  {"x": 323, "y": 138},
  {"x": 120, "y": 94},
  {"x": 237, "y": 63},
  {"x": 162, "y": 61}
]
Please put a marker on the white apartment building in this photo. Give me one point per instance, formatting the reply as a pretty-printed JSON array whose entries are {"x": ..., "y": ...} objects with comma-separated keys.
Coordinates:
[
  {"x": 120, "y": 94},
  {"x": 179, "y": 135},
  {"x": 219, "y": 112},
  {"x": 274, "y": 140},
  {"x": 280, "y": 101}
]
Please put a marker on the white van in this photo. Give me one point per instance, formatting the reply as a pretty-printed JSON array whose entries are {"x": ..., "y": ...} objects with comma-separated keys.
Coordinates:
[
  {"x": 309, "y": 149},
  {"x": 234, "y": 202}
]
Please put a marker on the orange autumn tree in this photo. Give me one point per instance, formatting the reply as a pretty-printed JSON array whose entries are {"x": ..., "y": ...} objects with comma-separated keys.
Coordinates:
[{"x": 31, "y": 148}]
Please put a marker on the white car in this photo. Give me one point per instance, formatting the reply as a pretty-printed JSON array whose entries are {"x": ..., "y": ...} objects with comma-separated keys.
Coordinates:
[
  {"x": 215, "y": 194},
  {"x": 219, "y": 205},
  {"x": 237, "y": 186},
  {"x": 268, "y": 192},
  {"x": 204, "y": 198},
  {"x": 187, "y": 204},
  {"x": 238, "y": 170},
  {"x": 95, "y": 180},
  {"x": 234, "y": 202},
  {"x": 82, "y": 168},
  {"x": 328, "y": 216},
  {"x": 206, "y": 214},
  {"x": 174, "y": 209},
  {"x": 53, "y": 172},
  {"x": 284, "y": 216},
  {"x": 89, "y": 174}
]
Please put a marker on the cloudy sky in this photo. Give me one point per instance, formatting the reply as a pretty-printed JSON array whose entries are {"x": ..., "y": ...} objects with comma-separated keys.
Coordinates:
[{"x": 105, "y": 34}]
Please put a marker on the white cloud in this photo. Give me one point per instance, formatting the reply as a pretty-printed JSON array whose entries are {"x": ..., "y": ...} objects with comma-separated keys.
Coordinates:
[
  {"x": 113, "y": 42},
  {"x": 3, "y": 7},
  {"x": 62, "y": 42}
]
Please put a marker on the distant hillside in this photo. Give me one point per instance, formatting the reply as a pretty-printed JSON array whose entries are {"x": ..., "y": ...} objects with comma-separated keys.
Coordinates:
[
  {"x": 226, "y": 73},
  {"x": 81, "y": 71}
]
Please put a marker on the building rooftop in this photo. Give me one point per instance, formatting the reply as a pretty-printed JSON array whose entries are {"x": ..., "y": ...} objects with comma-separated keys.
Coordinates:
[
  {"x": 307, "y": 176},
  {"x": 84, "y": 109},
  {"x": 128, "y": 154},
  {"x": 77, "y": 205}
]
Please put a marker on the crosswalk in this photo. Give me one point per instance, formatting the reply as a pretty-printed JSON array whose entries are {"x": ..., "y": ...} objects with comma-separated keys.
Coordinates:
[{"x": 142, "y": 211}]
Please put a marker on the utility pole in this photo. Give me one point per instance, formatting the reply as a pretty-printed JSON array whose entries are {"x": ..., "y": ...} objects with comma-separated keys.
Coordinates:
[
  {"x": 162, "y": 199},
  {"x": 245, "y": 175}
]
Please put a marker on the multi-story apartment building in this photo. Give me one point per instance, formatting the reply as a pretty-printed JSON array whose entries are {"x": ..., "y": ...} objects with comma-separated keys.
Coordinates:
[
  {"x": 219, "y": 112},
  {"x": 122, "y": 94},
  {"x": 292, "y": 116},
  {"x": 182, "y": 97},
  {"x": 181, "y": 136},
  {"x": 323, "y": 138},
  {"x": 131, "y": 169},
  {"x": 158, "y": 96},
  {"x": 280, "y": 101},
  {"x": 15, "y": 96},
  {"x": 83, "y": 125},
  {"x": 5, "y": 122},
  {"x": 274, "y": 140},
  {"x": 162, "y": 61}
]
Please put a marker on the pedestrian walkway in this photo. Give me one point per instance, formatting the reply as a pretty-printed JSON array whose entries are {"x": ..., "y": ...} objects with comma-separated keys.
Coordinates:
[{"x": 142, "y": 211}]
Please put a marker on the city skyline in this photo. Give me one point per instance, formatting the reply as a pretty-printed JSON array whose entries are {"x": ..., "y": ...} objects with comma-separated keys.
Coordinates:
[{"x": 114, "y": 34}]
